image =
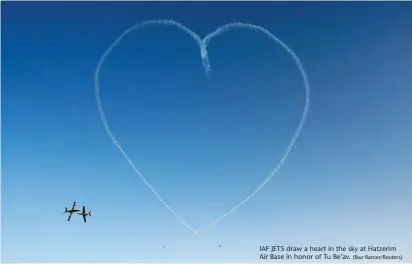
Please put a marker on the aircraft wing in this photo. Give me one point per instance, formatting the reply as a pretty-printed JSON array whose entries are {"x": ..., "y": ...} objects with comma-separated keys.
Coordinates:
[
  {"x": 74, "y": 206},
  {"x": 70, "y": 216},
  {"x": 84, "y": 210},
  {"x": 84, "y": 218}
]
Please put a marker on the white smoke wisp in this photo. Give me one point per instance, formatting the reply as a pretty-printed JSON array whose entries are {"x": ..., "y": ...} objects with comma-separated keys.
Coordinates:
[{"x": 203, "y": 43}]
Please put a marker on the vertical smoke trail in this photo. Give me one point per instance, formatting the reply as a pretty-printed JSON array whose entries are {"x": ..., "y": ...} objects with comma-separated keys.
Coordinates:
[{"x": 206, "y": 64}]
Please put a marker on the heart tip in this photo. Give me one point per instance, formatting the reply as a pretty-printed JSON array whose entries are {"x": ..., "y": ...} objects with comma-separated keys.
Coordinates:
[{"x": 208, "y": 74}]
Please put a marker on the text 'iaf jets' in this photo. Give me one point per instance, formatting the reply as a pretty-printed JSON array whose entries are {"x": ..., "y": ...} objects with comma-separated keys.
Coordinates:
[{"x": 74, "y": 210}]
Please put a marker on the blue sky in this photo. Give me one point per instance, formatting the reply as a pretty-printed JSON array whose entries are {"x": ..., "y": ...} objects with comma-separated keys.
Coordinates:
[{"x": 204, "y": 144}]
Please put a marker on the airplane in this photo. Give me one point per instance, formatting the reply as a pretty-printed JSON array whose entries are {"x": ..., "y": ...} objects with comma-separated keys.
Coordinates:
[
  {"x": 84, "y": 214},
  {"x": 220, "y": 246},
  {"x": 73, "y": 210}
]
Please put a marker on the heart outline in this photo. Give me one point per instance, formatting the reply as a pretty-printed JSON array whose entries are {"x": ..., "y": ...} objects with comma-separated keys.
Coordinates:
[{"x": 203, "y": 43}]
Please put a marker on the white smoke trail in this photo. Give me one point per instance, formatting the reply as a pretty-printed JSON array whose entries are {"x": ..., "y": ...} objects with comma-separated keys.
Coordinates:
[
  {"x": 239, "y": 25},
  {"x": 103, "y": 116},
  {"x": 206, "y": 64}
]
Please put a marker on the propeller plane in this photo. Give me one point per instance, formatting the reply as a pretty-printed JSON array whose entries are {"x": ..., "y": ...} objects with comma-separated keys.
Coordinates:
[
  {"x": 71, "y": 211},
  {"x": 74, "y": 210},
  {"x": 84, "y": 214}
]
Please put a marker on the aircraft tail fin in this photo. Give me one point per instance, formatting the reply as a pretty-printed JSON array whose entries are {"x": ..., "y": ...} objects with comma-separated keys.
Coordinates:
[
  {"x": 90, "y": 213},
  {"x": 66, "y": 210}
]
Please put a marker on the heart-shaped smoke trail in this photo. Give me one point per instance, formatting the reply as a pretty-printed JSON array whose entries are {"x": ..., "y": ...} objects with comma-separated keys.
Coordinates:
[{"x": 203, "y": 43}]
